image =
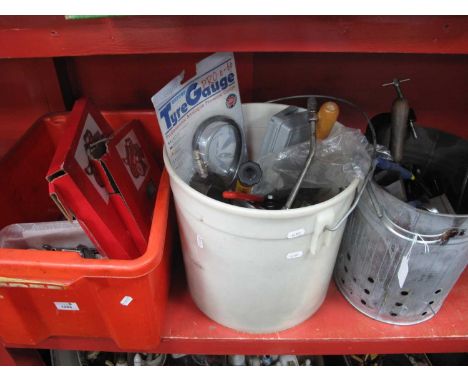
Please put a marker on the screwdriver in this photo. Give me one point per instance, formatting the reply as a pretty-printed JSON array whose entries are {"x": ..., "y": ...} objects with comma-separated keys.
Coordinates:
[{"x": 385, "y": 164}]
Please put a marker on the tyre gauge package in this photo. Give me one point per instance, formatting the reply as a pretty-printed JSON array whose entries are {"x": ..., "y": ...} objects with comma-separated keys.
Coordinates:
[{"x": 201, "y": 120}]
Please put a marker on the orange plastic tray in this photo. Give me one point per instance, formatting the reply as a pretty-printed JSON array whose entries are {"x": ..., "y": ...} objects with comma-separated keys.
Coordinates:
[{"x": 118, "y": 300}]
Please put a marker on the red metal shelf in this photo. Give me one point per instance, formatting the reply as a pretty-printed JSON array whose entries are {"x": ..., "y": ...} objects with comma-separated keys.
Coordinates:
[
  {"x": 53, "y": 36},
  {"x": 337, "y": 328}
]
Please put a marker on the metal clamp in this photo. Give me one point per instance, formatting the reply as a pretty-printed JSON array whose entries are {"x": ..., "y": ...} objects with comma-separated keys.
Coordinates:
[
  {"x": 369, "y": 174},
  {"x": 396, "y": 84}
]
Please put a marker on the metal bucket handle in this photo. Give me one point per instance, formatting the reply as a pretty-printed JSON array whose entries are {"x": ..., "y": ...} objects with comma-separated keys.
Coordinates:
[
  {"x": 426, "y": 239},
  {"x": 369, "y": 174}
]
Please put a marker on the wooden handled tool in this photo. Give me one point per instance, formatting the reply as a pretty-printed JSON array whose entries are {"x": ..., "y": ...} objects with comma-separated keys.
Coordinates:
[{"x": 327, "y": 116}]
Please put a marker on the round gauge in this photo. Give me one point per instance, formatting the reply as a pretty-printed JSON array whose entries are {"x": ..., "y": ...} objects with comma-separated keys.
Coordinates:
[{"x": 218, "y": 139}]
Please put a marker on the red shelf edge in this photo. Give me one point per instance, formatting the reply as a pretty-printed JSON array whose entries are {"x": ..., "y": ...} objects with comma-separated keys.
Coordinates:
[
  {"x": 53, "y": 36},
  {"x": 186, "y": 337}
]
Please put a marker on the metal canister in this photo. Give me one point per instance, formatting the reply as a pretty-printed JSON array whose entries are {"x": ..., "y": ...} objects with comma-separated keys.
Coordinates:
[{"x": 397, "y": 263}]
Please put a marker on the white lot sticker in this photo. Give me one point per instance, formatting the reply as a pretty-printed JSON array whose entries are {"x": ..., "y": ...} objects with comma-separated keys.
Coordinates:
[
  {"x": 294, "y": 255},
  {"x": 199, "y": 241},
  {"x": 66, "y": 306},
  {"x": 296, "y": 233},
  {"x": 403, "y": 271},
  {"x": 126, "y": 300}
]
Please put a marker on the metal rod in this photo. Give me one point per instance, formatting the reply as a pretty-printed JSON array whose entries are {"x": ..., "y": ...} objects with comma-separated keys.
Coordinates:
[
  {"x": 312, "y": 112},
  {"x": 462, "y": 192},
  {"x": 413, "y": 129}
]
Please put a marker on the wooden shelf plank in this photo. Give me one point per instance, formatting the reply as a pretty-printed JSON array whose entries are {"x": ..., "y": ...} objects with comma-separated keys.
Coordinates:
[{"x": 52, "y": 36}]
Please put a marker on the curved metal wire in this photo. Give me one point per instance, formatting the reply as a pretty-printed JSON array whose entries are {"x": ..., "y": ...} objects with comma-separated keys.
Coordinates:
[{"x": 403, "y": 233}]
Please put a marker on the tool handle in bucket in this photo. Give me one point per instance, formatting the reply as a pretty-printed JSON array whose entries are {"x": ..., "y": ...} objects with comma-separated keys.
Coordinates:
[
  {"x": 369, "y": 174},
  {"x": 421, "y": 238}
]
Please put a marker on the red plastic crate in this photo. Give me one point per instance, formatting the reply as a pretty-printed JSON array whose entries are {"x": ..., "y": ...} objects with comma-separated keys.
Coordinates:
[{"x": 31, "y": 281}]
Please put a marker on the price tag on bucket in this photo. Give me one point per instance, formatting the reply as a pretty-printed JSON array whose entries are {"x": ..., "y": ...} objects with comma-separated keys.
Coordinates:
[
  {"x": 294, "y": 255},
  {"x": 296, "y": 233},
  {"x": 404, "y": 265},
  {"x": 403, "y": 271},
  {"x": 200, "y": 241}
]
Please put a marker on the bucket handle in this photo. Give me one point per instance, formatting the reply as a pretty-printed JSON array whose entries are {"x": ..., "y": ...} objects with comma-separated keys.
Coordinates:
[
  {"x": 369, "y": 174},
  {"x": 426, "y": 239}
]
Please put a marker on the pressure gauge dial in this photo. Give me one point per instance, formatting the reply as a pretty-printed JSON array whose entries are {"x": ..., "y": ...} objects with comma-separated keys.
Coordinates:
[{"x": 219, "y": 142}]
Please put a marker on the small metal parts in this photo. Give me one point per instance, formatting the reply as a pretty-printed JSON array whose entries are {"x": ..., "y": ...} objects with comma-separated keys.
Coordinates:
[
  {"x": 200, "y": 165},
  {"x": 213, "y": 185},
  {"x": 84, "y": 251},
  {"x": 271, "y": 203},
  {"x": 396, "y": 84}
]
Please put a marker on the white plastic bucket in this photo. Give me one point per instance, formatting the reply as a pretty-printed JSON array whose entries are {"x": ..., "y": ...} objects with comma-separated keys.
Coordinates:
[{"x": 254, "y": 270}]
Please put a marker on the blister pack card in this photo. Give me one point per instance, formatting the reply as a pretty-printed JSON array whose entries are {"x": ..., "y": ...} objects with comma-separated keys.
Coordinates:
[{"x": 201, "y": 119}]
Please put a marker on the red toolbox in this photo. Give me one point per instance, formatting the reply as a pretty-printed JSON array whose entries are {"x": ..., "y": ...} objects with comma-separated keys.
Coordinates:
[{"x": 46, "y": 294}]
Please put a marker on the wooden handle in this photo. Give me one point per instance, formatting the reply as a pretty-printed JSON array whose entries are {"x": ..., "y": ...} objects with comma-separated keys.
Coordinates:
[{"x": 327, "y": 116}]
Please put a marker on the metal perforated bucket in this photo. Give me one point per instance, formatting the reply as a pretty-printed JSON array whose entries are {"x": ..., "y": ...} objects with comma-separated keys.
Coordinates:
[{"x": 396, "y": 263}]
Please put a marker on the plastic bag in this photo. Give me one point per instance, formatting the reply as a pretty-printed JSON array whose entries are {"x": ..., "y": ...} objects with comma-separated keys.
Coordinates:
[
  {"x": 61, "y": 234},
  {"x": 383, "y": 152},
  {"x": 338, "y": 160}
]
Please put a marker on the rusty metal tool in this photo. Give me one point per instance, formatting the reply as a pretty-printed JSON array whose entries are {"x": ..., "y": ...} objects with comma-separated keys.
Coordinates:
[{"x": 396, "y": 84}]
